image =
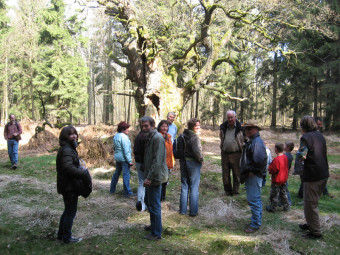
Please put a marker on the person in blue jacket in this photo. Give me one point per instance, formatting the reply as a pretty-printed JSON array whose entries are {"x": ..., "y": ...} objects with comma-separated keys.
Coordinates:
[{"x": 122, "y": 148}]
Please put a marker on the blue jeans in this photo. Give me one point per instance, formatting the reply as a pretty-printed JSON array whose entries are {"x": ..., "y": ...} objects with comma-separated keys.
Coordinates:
[
  {"x": 13, "y": 146},
  {"x": 153, "y": 202},
  {"x": 125, "y": 167},
  {"x": 253, "y": 188},
  {"x": 141, "y": 189},
  {"x": 66, "y": 219},
  {"x": 190, "y": 180}
]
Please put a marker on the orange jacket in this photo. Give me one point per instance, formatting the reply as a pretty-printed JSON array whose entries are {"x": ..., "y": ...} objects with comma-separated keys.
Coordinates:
[{"x": 170, "y": 160}]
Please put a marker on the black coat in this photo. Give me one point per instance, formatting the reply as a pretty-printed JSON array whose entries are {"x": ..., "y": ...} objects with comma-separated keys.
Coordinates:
[
  {"x": 68, "y": 168},
  {"x": 315, "y": 164}
]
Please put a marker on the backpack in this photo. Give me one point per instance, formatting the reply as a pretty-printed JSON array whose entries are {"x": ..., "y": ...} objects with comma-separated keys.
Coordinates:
[{"x": 179, "y": 147}]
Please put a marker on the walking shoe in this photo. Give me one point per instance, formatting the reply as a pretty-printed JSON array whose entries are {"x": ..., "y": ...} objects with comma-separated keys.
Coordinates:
[
  {"x": 14, "y": 166},
  {"x": 131, "y": 195},
  {"x": 330, "y": 195},
  {"x": 72, "y": 240},
  {"x": 152, "y": 237},
  {"x": 301, "y": 203},
  {"x": 303, "y": 226},
  {"x": 286, "y": 209},
  {"x": 269, "y": 209},
  {"x": 310, "y": 235},
  {"x": 250, "y": 230},
  {"x": 147, "y": 228},
  {"x": 139, "y": 206}
]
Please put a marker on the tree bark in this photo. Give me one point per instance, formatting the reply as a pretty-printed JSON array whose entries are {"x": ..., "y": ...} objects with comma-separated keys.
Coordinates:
[
  {"x": 274, "y": 97},
  {"x": 5, "y": 94},
  {"x": 315, "y": 97}
]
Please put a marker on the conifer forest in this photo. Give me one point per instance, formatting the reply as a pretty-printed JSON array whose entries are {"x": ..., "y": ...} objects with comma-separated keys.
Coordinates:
[{"x": 86, "y": 61}]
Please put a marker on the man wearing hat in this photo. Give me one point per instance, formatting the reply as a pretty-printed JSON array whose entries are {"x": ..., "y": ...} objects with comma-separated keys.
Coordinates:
[{"x": 253, "y": 168}]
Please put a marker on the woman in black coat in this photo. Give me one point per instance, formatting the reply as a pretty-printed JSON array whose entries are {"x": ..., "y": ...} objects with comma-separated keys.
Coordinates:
[{"x": 68, "y": 170}]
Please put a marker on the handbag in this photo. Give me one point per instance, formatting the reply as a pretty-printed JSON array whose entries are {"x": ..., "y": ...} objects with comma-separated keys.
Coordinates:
[{"x": 83, "y": 186}]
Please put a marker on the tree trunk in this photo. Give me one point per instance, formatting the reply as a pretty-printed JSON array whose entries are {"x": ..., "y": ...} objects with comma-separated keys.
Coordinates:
[
  {"x": 94, "y": 99},
  {"x": 274, "y": 98},
  {"x": 295, "y": 113},
  {"x": 129, "y": 105},
  {"x": 113, "y": 101},
  {"x": 4, "y": 111},
  {"x": 197, "y": 101},
  {"x": 89, "y": 90},
  {"x": 315, "y": 97}
]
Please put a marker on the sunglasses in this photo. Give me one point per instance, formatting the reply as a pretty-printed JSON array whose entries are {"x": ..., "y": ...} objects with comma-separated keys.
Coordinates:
[{"x": 248, "y": 128}]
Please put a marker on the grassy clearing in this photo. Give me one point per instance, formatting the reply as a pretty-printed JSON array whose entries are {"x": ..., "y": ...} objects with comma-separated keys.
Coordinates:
[{"x": 30, "y": 209}]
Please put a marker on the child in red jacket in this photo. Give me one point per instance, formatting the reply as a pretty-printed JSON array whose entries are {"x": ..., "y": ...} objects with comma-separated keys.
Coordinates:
[{"x": 279, "y": 171}]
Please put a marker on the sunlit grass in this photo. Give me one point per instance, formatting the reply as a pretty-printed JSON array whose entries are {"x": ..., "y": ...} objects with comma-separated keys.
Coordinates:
[{"x": 36, "y": 194}]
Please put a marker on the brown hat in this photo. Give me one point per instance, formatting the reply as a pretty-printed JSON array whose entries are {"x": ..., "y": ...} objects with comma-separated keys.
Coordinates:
[{"x": 251, "y": 123}]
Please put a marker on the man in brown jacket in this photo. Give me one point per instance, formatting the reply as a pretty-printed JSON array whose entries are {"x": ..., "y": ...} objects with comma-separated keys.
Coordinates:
[
  {"x": 232, "y": 142},
  {"x": 12, "y": 134}
]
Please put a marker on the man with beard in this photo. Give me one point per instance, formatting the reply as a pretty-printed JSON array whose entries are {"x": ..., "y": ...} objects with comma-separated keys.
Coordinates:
[{"x": 155, "y": 173}]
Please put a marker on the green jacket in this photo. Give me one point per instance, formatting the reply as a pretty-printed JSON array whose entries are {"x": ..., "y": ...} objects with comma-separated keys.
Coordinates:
[{"x": 155, "y": 168}]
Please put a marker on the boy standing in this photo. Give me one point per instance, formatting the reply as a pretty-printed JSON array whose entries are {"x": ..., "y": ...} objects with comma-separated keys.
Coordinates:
[
  {"x": 289, "y": 147},
  {"x": 279, "y": 171}
]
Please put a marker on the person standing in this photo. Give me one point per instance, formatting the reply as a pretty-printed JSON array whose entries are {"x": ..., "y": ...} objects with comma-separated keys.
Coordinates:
[
  {"x": 191, "y": 168},
  {"x": 138, "y": 151},
  {"x": 313, "y": 151},
  {"x": 155, "y": 173},
  {"x": 319, "y": 125},
  {"x": 253, "y": 167},
  {"x": 172, "y": 130},
  {"x": 279, "y": 171},
  {"x": 269, "y": 160},
  {"x": 122, "y": 148},
  {"x": 12, "y": 134},
  {"x": 162, "y": 128},
  {"x": 232, "y": 142},
  {"x": 68, "y": 168}
]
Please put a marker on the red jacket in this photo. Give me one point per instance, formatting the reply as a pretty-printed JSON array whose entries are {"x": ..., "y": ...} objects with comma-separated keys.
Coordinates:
[{"x": 279, "y": 169}]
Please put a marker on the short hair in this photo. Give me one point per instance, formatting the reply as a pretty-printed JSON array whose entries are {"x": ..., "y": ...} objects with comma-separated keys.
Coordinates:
[
  {"x": 122, "y": 126},
  {"x": 192, "y": 123},
  {"x": 231, "y": 111},
  {"x": 279, "y": 147},
  {"x": 66, "y": 132},
  {"x": 148, "y": 119},
  {"x": 171, "y": 113},
  {"x": 289, "y": 145},
  {"x": 161, "y": 124},
  {"x": 308, "y": 124},
  {"x": 318, "y": 119},
  {"x": 9, "y": 116}
]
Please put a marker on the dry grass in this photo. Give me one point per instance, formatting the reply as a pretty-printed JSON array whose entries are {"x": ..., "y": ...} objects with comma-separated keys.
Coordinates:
[{"x": 216, "y": 209}]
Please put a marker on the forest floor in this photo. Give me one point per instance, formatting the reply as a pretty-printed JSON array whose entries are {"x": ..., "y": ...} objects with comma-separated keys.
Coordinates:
[{"x": 30, "y": 207}]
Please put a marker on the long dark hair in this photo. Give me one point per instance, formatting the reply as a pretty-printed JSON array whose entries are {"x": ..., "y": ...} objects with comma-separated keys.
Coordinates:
[{"x": 66, "y": 132}]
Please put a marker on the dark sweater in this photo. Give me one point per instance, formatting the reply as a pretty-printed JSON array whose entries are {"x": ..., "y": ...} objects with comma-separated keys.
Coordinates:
[
  {"x": 316, "y": 163},
  {"x": 68, "y": 168},
  {"x": 193, "y": 149}
]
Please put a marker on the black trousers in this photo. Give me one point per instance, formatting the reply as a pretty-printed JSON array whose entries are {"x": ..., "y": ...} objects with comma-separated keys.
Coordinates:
[{"x": 66, "y": 219}]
